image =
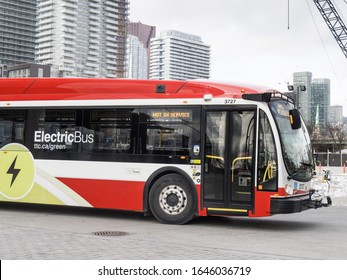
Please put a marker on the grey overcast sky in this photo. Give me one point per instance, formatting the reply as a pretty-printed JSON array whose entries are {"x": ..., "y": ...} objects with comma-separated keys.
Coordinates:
[{"x": 250, "y": 40}]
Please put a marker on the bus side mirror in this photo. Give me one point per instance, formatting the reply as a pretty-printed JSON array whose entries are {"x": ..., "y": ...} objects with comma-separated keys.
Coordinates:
[{"x": 294, "y": 118}]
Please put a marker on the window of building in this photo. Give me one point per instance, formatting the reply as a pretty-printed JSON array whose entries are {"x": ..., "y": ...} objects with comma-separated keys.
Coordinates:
[{"x": 40, "y": 72}]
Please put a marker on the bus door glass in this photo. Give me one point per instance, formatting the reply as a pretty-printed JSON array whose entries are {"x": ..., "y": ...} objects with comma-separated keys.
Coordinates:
[{"x": 229, "y": 160}]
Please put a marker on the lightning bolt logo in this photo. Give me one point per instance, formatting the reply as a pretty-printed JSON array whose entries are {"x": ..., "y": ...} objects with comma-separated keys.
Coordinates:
[
  {"x": 17, "y": 172},
  {"x": 13, "y": 171}
]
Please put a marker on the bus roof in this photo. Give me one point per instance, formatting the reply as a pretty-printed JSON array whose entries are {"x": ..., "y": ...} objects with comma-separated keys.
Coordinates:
[{"x": 84, "y": 88}]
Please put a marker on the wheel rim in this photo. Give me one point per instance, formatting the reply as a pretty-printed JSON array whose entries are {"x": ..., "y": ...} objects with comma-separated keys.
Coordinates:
[{"x": 173, "y": 200}]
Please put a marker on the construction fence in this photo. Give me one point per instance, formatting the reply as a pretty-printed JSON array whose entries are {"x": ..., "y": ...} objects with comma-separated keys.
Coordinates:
[{"x": 334, "y": 161}]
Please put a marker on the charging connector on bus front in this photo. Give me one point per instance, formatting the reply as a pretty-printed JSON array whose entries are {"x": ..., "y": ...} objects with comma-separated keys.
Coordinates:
[{"x": 321, "y": 191}]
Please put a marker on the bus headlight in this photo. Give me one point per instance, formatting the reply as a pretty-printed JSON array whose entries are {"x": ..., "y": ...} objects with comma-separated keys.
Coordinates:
[{"x": 289, "y": 189}]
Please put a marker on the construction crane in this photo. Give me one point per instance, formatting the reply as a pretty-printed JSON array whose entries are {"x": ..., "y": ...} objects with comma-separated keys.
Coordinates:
[{"x": 334, "y": 22}]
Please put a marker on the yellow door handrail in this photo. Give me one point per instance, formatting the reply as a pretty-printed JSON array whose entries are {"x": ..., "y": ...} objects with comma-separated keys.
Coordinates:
[
  {"x": 233, "y": 165},
  {"x": 215, "y": 157}
]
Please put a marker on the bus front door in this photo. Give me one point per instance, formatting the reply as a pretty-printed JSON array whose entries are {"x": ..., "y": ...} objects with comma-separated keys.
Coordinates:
[{"x": 228, "y": 167}]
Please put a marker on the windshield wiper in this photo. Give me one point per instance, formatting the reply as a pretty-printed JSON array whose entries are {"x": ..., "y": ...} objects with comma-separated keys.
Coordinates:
[
  {"x": 296, "y": 172},
  {"x": 307, "y": 164}
]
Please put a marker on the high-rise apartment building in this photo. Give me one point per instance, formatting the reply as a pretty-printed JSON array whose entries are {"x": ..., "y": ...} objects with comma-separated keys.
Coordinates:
[
  {"x": 83, "y": 38},
  {"x": 137, "y": 66},
  {"x": 303, "y": 97},
  {"x": 17, "y": 32},
  {"x": 139, "y": 39},
  {"x": 179, "y": 56},
  {"x": 320, "y": 102},
  {"x": 336, "y": 114}
]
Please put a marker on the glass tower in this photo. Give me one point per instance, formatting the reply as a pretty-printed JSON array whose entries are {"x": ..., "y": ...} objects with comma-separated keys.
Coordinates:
[
  {"x": 320, "y": 90},
  {"x": 303, "y": 97}
]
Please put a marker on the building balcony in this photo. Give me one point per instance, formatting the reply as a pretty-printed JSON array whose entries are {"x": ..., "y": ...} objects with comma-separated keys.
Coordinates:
[
  {"x": 111, "y": 33},
  {"x": 111, "y": 10},
  {"x": 69, "y": 5},
  {"x": 111, "y": 21},
  {"x": 111, "y": 46},
  {"x": 94, "y": 41},
  {"x": 45, "y": 19},
  {"x": 69, "y": 55},
  {"x": 69, "y": 36},
  {"x": 45, "y": 9},
  {"x": 94, "y": 47},
  {"x": 67, "y": 68},
  {"x": 92, "y": 59},
  {"x": 92, "y": 65},
  {"x": 111, "y": 38},
  {"x": 110, "y": 56},
  {"x": 70, "y": 24},
  {"x": 94, "y": 5},
  {"x": 44, "y": 57},
  {"x": 91, "y": 72},
  {"x": 95, "y": 22},
  {"x": 92, "y": 53},
  {"x": 94, "y": 35},
  {"x": 70, "y": 13},
  {"x": 44, "y": 39},
  {"x": 43, "y": 51},
  {"x": 68, "y": 49},
  {"x": 111, "y": 68}
]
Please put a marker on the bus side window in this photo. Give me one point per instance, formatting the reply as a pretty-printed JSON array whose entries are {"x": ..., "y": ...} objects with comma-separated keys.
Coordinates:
[
  {"x": 58, "y": 127},
  {"x": 12, "y": 125},
  {"x": 112, "y": 129},
  {"x": 170, "y": 131},
  {"x": 267, "y": 157}
]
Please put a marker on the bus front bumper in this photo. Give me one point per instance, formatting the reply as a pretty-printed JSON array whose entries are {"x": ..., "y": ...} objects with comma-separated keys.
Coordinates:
[{"x": 285, "y": 205}]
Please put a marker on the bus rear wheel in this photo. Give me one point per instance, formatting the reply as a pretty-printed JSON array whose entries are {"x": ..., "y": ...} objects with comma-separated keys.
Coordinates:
[{"x": 172, "y": 200}]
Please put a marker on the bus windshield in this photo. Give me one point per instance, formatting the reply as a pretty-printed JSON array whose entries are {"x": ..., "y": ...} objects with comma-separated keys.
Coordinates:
[{"x": 296, "y": 143}]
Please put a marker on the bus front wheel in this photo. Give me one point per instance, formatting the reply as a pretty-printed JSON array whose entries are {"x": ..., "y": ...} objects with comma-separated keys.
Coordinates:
[{"x": 172, "y": 200}]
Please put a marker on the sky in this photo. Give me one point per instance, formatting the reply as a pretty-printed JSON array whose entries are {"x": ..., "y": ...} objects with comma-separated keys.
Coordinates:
[{"x": 255, "y": 41}]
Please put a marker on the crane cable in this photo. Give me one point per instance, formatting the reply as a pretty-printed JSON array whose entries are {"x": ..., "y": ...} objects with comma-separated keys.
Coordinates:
[{"x": 289, "y": 11}]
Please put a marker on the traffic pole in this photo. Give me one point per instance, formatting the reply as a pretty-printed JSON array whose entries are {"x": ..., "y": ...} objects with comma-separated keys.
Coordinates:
[{"x": 320, "y": 168}]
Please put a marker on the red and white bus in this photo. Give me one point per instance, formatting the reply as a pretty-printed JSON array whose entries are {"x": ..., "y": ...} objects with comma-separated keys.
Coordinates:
[{"x": 176, "y": 149}]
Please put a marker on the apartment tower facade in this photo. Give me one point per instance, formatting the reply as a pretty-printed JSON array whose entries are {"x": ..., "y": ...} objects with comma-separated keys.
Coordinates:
[
  {"x": 17, "y": 32},
  {"x": 139, "y": 39},
  {"x": 179, "y": 56},
  {"x": 83, "y": 38}
]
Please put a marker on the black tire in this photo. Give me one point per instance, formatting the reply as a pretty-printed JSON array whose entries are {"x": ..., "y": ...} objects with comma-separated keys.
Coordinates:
[{"x": 172, "y": 200}]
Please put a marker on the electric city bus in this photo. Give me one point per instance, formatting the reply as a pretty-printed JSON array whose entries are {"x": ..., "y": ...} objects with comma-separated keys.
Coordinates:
[{"x": 174, "y": 149}]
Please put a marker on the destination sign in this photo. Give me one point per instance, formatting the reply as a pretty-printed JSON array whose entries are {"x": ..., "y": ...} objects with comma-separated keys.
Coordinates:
[{"x": 166, "y": 115}]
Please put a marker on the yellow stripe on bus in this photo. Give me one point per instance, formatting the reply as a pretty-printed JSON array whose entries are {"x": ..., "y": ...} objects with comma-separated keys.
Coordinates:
[{"x": 228, "y": 210}]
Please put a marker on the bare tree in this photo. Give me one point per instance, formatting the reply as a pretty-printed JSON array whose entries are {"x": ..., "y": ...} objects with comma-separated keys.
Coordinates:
[{"x": 338, "y": 134}]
